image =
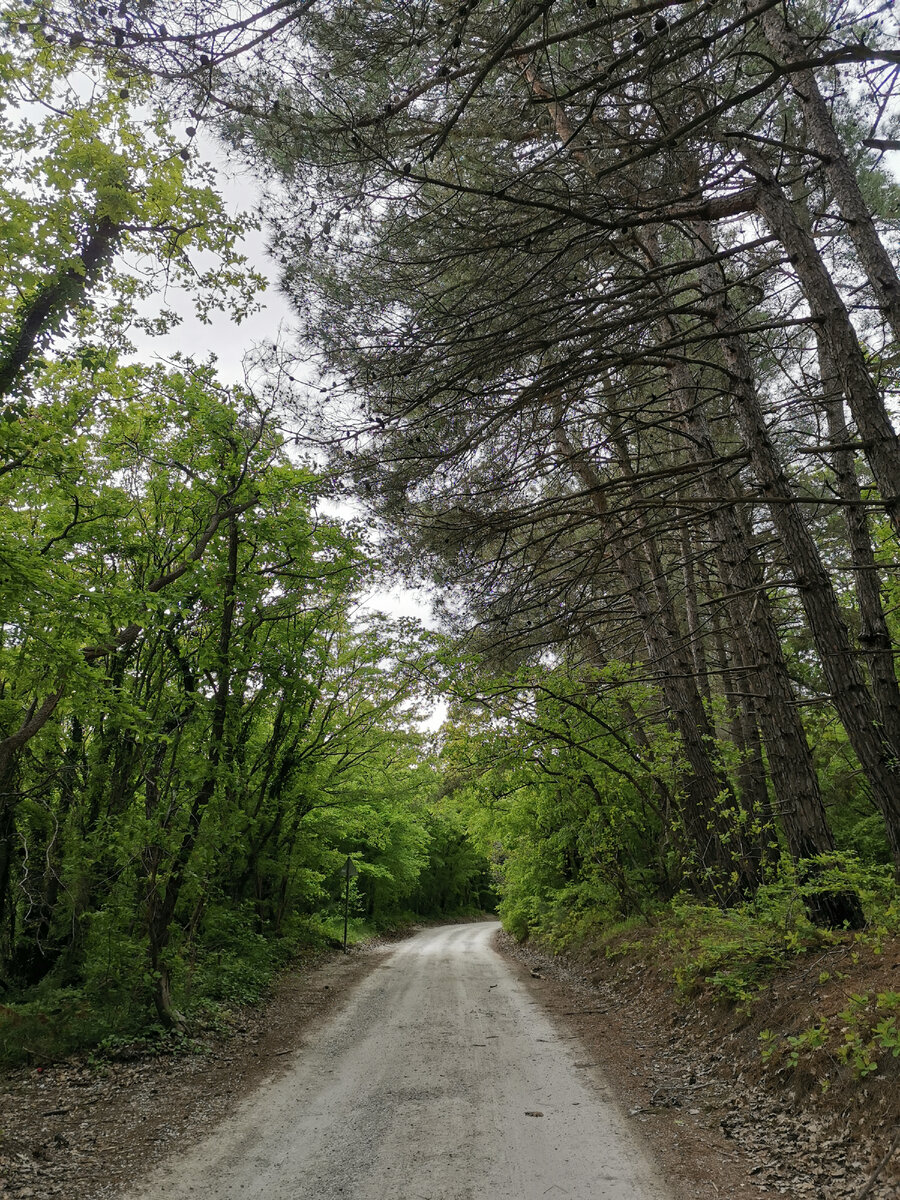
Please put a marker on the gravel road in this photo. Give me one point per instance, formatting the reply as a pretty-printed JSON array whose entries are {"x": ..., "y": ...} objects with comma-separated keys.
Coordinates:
[{"x": 438, "y": 1079}]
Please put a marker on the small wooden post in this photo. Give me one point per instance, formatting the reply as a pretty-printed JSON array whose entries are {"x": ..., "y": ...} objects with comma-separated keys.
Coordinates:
[{"x": 349, "y": 870}]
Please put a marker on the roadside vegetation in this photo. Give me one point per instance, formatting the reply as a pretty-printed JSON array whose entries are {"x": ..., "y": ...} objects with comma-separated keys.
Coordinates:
[
  {"x": 198, "y": 726},
  {"x": 598, "y": 319},
  {"x": 556, "y": 792}
]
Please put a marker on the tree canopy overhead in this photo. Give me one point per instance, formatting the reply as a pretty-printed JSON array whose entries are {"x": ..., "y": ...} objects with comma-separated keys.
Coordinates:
[
  {"x": 603, "y": 305},
  {"x": 610, "y": 294}
]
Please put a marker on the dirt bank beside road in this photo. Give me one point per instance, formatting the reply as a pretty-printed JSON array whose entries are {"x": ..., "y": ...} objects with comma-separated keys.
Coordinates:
[{"x": 690, "y": 1074}]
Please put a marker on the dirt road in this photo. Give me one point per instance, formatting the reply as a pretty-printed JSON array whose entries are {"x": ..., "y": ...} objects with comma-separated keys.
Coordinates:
[{"x": 439, "y": 1079}]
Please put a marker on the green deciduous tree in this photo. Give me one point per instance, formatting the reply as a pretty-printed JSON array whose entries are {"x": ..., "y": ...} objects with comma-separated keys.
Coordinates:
[{"x": 196, "y": 726}]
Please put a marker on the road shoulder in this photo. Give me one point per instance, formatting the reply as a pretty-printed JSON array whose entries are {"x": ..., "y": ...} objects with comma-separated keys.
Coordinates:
[
  {"x": 90, "y": 1129},
  {"x": 713, "y": 1130}
]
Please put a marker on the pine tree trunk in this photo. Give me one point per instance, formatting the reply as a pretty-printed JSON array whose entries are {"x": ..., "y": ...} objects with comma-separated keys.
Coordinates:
[
  {"x": 873, "y": 257},
  {"x": 692, "y": 617},
  {"x": 666, "y": 805},
  {"x": 753, "y": 778},
  {"x": 851, "y": 698},
  {"x": 742, "y": 730},
  {"x": 801, "y": 810},
  {"x": 836, "y": 330},
  {"x": 874, "y": 635},
  {"x": 724, "y": 870}
]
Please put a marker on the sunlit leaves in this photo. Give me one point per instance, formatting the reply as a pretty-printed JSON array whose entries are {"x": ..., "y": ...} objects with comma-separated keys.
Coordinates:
[{"x": 78, "y": 150}]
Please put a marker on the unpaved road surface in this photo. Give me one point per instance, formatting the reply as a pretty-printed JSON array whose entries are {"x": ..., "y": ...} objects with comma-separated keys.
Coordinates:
[{"x": 440, "y": 1079}]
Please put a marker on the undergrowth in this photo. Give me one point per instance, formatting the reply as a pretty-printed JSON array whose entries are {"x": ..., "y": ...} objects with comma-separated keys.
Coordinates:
[
  {"x": 732, "y": 955},
  {"x": 107, "y": 1013},
  {"x": 860, "y": 1037}
]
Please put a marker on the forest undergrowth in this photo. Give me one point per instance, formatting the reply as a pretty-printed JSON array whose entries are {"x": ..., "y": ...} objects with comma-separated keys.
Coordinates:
[{"x": 50, "y": 1023}]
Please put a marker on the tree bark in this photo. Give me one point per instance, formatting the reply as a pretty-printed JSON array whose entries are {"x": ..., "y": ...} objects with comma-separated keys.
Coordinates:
[
  {"x": 692, "y": 614},
  {"x": 873, "y": 257},
  {"x": 801, "y": 810},
  {"x": 845, "y": 681},
  {"x": 836, "y": 330},
  {"x": 706, "y": 791},
  {"x": 874, "y": 635},
  {"x": 43, "y": 314},
  {"x": 161, "y": 904},
  {"x": 800, "y": 807}
]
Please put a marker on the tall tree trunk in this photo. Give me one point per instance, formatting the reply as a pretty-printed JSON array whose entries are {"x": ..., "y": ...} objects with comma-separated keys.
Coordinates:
[
  {"x": 7, "y": 902},
  {"x": 872, "y": 254},
  {"x": 707, "y": 792},
  {"x": 800, "y": 807},
  {"x": 691, "y": 610},
  {"x": 801, "y": 810},
  {"x": 836, "y": 330},
  {"x": 635, "y": 727},
  {"x": 753, "y": 779},
  {"x": 845, "y": 681},
  {"x": 161, "y": 905},
  {"x": 874, "y": 635},
  {"x": 742, "y": 730}
]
